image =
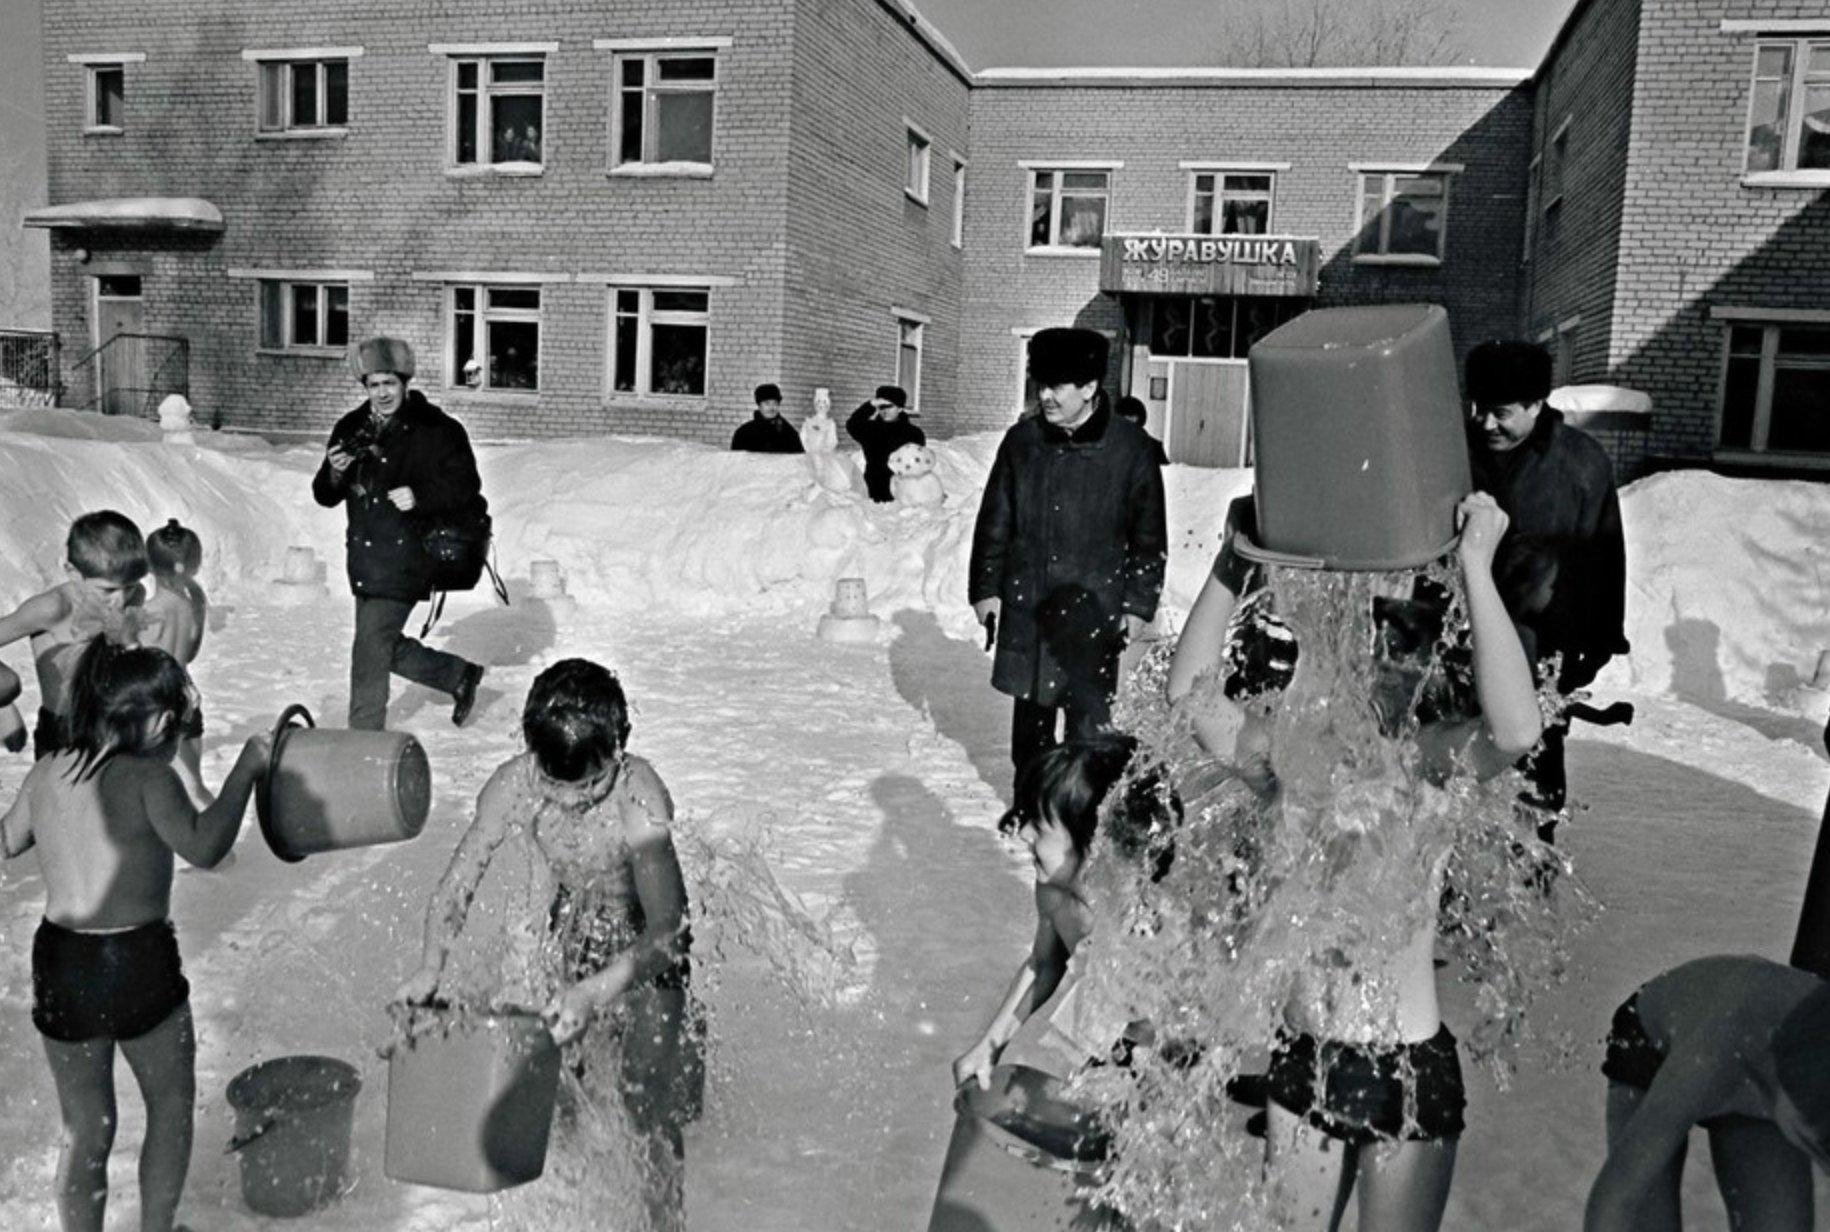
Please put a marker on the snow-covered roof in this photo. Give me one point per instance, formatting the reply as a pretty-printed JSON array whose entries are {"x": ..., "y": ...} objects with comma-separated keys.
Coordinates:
[{"x": 148, "y": 213}]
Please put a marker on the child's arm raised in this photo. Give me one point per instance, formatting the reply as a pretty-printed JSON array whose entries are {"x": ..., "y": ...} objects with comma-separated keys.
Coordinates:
[
  {"x": 1034, "y": 983},
  {"x": 204, "y": 836},
  {"x": 450, "y": 905},
  {"x": 1502, "y": 676}
]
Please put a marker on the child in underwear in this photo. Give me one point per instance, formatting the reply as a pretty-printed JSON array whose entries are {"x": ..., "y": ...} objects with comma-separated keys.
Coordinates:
[
  {"x": 1738, "y": 1045},
  {"x": 105, "y": 815},
  {"x": 106, "y": 558},
  {"x": 173, "y": 616},
  {"x": 617, "y": 939}
]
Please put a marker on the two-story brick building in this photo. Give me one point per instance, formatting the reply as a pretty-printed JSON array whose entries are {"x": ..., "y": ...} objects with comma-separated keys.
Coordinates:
[{"x": 596, "y": 220}]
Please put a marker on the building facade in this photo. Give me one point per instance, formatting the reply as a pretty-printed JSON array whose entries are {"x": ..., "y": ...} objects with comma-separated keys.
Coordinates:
[{"x": 594, "y": 220}]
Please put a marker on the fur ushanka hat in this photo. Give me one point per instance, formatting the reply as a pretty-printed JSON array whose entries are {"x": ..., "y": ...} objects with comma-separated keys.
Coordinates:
[
  {"x": 1067, "y": 356},
  {"x": 383, "y": 354}
]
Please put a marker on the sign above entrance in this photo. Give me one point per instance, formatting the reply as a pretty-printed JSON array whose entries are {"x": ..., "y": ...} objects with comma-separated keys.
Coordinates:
[{"x": 1157, "y": 264}]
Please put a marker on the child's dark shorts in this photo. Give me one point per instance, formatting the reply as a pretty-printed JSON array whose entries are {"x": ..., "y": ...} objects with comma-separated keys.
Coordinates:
[
  {"x": 1632, "y": 1058},
  {"x": 113, "y": 986},
  {"x": 1370, "y": 1092}
]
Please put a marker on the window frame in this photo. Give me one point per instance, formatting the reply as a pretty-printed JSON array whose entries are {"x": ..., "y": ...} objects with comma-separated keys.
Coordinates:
[
  {"x": 1770, "y": 324},
  {"x": 486, "y": 314},
  {"x": 287, "y": 63},
  {"x": 1444, "y": 173},
  {"x": 646, "y": 317},
  {"x": 910, "y": 324},
  {"x": 286, "y": 288},
  {"x": 1220, "y": 172},
  {"x": 485, "y": 57},
  {"x": 1555, "y": 168},
  {"x": 958, "y": 238},
  {"x": 1058, "y": 169},
  {"x": 918, "y": 163},
  {"x": 651, "y": 52},
  {"x": 1801, "y": 46},
  {"x": 94, "y": 64}
]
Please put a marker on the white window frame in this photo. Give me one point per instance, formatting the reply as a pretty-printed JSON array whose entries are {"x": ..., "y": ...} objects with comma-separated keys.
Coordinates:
[
  {"x": 1220, "y": 172},
  {"x": 1809, "y": 35},
  {"x": 651, "y": 52},
  {"x": 93, "y": 65},
  {"x": 1555, "y": 168},
  {"x": 285, "y": 288},
  {"x": 1769, "y": 322},
  {"x": 287, "y": 63},
  {"x": 910, "y": 325},
  {"x": 918, "y": 162},
  {"x": 484, "y": 55},
  {"x": 1392, "y": 173},
  {"x": 959, "y": 200},
  {"x": 1056, "y": 168},
  {"x": 485, "y": 314},
  {"x": 646, "y": 319}
]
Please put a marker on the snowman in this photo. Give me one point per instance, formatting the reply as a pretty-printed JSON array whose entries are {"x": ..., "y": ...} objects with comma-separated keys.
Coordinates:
[
  {"x": 818, "y": 433},
  {"x": 912, "y": 477}
]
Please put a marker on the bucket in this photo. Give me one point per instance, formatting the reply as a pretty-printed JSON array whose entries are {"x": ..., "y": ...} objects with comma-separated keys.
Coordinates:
[
  {"x": 1018, "y": 1155},
  {"x": 470, "y": 1100},
  {"x": 1359, "y": 448},
  {"x": 330, "y": 790},
  {"x": 292, "y": 1129}
]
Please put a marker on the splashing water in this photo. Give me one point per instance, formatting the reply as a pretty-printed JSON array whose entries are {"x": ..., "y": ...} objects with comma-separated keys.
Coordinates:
[{"x": 1294, "y": 903}]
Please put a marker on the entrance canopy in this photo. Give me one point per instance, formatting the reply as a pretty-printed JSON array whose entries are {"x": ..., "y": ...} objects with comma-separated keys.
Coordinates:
[
  {"x": 133, "y": 213},
  {"x": 1157, "y": 264}
]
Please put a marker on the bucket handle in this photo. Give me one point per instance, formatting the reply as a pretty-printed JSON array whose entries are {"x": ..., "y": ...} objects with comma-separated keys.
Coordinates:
[
  {"x": 263, "y": 807},
  {"x": 243, "y": 1140}
]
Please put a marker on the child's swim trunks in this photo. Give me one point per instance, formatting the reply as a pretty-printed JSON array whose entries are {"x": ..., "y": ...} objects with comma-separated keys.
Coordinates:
[
  {"x": 1632, "y": 1057},
  {"x": 1369, "y": 1092},
  {"x": 105, "y": 985}
]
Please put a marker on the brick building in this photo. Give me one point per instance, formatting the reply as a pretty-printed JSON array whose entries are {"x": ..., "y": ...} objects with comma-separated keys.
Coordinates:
[{"x": 598, "y": 220}]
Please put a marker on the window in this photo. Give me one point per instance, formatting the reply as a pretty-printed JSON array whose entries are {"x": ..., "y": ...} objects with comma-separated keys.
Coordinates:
[
  {"x": 1230, "y": 203},
  {"x": 498, "y": 111},
  {"x": 1403, "y": 216},
  {"x": 1788, "y": 117},
  {"x": 1533, "y": 178},
  {"x": 959, "y": 203},
  {"x": 1215, "y": 326},
  {"x": 299, "y": 316},
  {"x": 1558, "y": 155},
  {"x": 915, "y": 177},
  {"x": 1776, "y": 389},
  {"x": 1068, "y": 208},
  {"x": 908, "y": 358},
  {"x": 495, "y": 338},
  {"x": 303, "y": 95},
  {"x": 658, "y": 341},
  {"x": 665, "y": 103},
  {"x": 107, "y": 97}
]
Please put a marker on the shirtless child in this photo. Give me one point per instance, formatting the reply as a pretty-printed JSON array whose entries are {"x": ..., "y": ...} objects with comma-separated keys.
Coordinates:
[
  {"x": 1735, "y": 1044},
  {"x": 106, "y": 560},
  {"x": 173, "y": 616}
]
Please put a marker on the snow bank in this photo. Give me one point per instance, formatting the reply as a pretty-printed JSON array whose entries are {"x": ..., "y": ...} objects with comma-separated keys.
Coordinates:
[{"x": 1729, "y": 594}]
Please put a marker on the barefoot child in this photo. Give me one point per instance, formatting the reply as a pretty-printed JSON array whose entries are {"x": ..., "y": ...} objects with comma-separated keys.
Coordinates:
[
  {"x": 173, "y": 616},
  {"x": 106, "y": 560},
  {"x": 1738, "y": 1045},
  {"x": 105, "y": 815}
]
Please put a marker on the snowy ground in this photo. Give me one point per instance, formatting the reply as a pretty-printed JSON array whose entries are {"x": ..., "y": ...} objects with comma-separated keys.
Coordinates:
[{"x": 876, "y": 771}]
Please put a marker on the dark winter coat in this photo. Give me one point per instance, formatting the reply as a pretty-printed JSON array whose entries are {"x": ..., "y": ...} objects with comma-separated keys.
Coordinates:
[
  {"x": 767, "y": 434},
  {"x": 421, "y": 448},
  {"x": 1071, "y": 538},
  {"x": 879, "y": 438},
  {"x": 1562, "y": 566}
]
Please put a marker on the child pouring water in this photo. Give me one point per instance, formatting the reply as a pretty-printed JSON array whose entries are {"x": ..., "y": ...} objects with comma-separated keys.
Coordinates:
[{"x": 105, "y": 815}]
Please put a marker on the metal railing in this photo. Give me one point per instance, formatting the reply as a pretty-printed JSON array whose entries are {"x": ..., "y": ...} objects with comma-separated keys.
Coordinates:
[
  {"x": 31, "y": 373},
  {"x": 133, "y": 373}
]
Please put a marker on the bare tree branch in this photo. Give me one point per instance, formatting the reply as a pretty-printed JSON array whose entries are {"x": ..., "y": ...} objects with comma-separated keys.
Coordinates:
[{"x": 1330, "y": 33}]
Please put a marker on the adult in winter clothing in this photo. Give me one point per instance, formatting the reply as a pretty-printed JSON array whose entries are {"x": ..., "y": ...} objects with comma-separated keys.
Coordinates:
[
  {"x": 1562, "y": 567},
  {"x": 1133, "y": 409},
  {"x": 767, "y": 431},
  {"x": 1070, "y": 546},
  {"x": 395, "y": 463},
  {"x": 881, "y": 426}
]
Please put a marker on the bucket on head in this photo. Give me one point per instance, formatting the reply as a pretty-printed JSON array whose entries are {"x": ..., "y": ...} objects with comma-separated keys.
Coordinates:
[
  {"x": 330, "y": 790},
  {"x": 292, "y": 1131},
  {"x": 1360, "y": 453},
  {"x": 1018, "y": 1158},
  {"x": 470, "y": 1100}
]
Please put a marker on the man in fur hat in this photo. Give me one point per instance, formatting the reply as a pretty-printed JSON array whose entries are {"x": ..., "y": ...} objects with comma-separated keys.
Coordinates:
[
  {"x": 1070, "y": 546},
  {"x": 395, "y": 463},
  {"x": 881, "y": 425},
  {"x": 767, "y": 431}
]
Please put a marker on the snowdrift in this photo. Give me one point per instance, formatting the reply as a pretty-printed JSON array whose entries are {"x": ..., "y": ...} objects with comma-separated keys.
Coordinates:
[{"x": 1729, "y": 586}]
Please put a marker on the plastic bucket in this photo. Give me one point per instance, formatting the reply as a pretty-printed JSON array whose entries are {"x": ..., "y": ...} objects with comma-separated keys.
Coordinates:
[
  {"x": 292, "y": 1129},
  {"x": 331, "y": 790},
  {"x": 1018, "y": 1155},
  {"x": 1360, "y": 452},
  {"x": 470, "y": 1100}
]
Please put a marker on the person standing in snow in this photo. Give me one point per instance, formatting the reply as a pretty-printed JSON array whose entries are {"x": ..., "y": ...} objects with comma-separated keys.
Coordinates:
[
  {"x": 1070, "y": 546},
  {"x": 881, "y": 426},
  {"x": 1562, "y": 568},
  {"x": 767, "y": 431},
  {"x": 393, "y": 463}
]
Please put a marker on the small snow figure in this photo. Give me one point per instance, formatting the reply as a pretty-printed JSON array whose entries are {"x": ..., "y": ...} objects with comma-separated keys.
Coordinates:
[
  {"x": 175, "y": 420},
  {"x": 912, "y": 477},
  {"x": 818, "y": 432}
]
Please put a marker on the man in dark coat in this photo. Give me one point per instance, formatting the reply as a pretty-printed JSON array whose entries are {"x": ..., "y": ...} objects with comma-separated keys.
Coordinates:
[
  {"x": 881, "y": 426},
  {"x": 767, "y": 431},
  {"x": 1562, "y": 567},
  {"x": 395, "y": 463},
  {"x": 1070, "y": 546}
]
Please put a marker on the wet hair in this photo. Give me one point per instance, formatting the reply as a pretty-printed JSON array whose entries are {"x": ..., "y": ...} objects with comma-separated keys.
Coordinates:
[
  {"x": 174, "y": 550},
  {"x": 113, "y": 691},
  {"x": 107, "y": 546},
  {"x": 1066, "y": 784},
  {"x": 1502, "y": 372},
  {"x": 1799, "y": 1047},
  {"x": 576, "y": 721},
  {"x": 1131, "y": 408}
]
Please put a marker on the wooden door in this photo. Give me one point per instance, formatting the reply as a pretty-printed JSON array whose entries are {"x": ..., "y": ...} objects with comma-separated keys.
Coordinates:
[
  {"x": 120, "y": 367},
  {"x": 1207, "y": 414}
]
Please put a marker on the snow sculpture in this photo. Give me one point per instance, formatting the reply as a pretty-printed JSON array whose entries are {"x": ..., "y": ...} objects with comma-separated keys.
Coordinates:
[
  {"x": 818, "y": 433},
  {"x": 301, "y": 579},
  {"x": 547, "y": 585},
  {"x": 849, "y": 619},
  {"x": 912, "y": 477},
  {"x": 175, "y": 420}
]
